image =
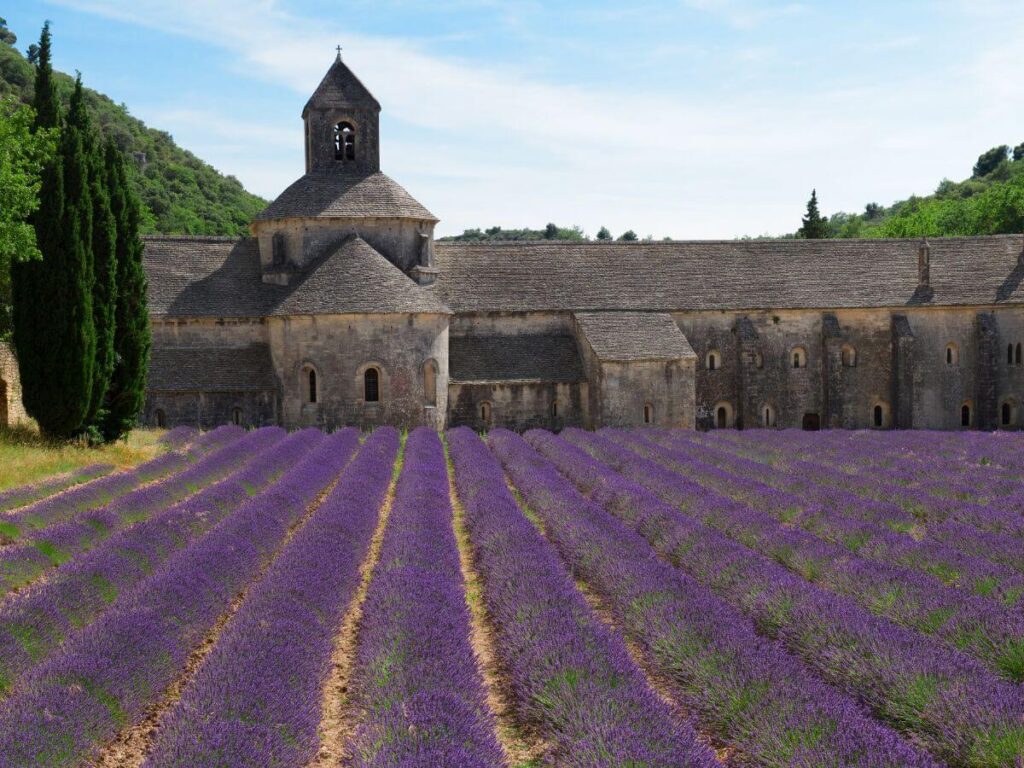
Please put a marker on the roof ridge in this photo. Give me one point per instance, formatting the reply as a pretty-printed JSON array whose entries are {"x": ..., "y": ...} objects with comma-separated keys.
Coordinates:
[
  {"x": 196, "y": 238},
  {"x": 735, "y": 241}
]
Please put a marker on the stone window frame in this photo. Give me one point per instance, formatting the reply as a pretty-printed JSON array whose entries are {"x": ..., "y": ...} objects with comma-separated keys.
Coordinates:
[
  {"x": 730, "y": 414},
  {"x": 952, "y": 355},
  {"x": 713, "y": 360},
  {"x": 797, "y": 357},
  {"x": 238, "y": 416},
  {"x": 966, "y": 408},
  {"x": 1013, "y": 413},
  {"x": 768, "y": 416},
  {"x": 886, "y": 414},
  {"x": 310, "y": 387},
  {"x": 848, "y": 356},
  {"x": 340, "y": 149},
  {"x": 485, "y": 412},
  {"x": 430, "y": 367},
  {"x": 382, "y": 384}
]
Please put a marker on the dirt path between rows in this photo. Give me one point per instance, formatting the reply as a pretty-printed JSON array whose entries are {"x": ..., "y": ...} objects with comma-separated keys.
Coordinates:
[
  {"x": 132, "y": 746},
  {"x": 338, "y": 720},
  {"x": 521, "y": 747}
]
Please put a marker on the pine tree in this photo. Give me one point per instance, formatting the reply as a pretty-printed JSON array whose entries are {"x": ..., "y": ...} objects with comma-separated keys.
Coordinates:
[
  {"x": 102, "y": 234},
  {"x": 53, "y": 318},
  {"x": 814, "y": 226},
  {"x": 126, "y": 393}
]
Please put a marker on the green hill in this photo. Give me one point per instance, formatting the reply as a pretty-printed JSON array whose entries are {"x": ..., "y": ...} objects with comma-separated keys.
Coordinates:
[
  {"x": 990, "y": 202},
  {"x": 180, "y": 193}
]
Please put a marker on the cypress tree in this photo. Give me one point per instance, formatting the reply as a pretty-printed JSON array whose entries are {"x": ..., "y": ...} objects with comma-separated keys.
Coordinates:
[
  {"x": 53, "y": 316},
  {"x": 127, "y": 390},
  {"x": 814, "y": 226},
  {"x": 102, "y": 234}
]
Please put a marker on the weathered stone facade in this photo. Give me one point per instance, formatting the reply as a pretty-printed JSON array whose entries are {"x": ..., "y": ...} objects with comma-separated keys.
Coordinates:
[
  {"x": 12, "y": 412},
  {"x": 341, "y": 310}
]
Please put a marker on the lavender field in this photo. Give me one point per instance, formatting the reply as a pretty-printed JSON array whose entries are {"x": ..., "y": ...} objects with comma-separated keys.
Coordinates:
[{"x": 631, "y": 599}]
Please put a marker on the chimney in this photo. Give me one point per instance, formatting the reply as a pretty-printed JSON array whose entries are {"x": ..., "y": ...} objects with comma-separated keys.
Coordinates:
[
  {"x": 425, "y": 273},
  {"x": 924, "y": 258}
]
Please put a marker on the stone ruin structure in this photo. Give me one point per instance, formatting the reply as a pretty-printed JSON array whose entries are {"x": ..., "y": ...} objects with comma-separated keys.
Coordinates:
[{"x": 341, "y": 309}]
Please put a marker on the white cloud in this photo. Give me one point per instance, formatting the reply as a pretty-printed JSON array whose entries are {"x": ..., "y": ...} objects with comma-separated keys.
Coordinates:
[{"x": 483, "y": 145}]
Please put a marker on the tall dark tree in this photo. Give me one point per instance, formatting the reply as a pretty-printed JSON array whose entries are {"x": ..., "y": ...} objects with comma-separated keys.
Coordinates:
[
  {"x": 991, "y": 160},
  {"x": 126, "y": 393},
  {"x": 99, "y": 226},
  {"x": 815, "y": 227},
  {"x": 53, "y": 317},
  {"x": 604, "y": 234}
]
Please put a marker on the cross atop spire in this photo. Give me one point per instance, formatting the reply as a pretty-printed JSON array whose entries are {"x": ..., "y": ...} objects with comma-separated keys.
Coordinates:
[{"x": 339, "y": 53}]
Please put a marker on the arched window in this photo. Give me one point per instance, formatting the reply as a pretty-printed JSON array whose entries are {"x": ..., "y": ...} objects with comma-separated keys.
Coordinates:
[
  {"x": 878, "y": 416},
  {"x": 371, "y": 385},
  {"x": 952, "y": 354},
  {"x": 648, "y": 413},
  {"x": 767, "y": 416},
  {"x": 485, "y": 413},
  {"x": 723, "y": 416},
  {"x": 1006, "y": 415},
  {"x": 1009, "y": 354},
  {"x": 965, "y": 415},
  {"x": 1017, "y": 354},
  {"x": 554, "y": 409},
  {"x": 849, "y": 356},
  {"x": 713, "y": 361},
  {"x": 160, "y": 417},
  {"x": 344, "y": 142},
  {"x": 430, "y": 382},
  {"x": 311, "y": 393},
  {"x": 798, "y": 357},
  {"x": 236, "y": 416}
]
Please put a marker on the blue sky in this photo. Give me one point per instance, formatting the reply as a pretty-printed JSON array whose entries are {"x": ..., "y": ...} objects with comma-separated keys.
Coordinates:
[{"x": 690, "y": 119}]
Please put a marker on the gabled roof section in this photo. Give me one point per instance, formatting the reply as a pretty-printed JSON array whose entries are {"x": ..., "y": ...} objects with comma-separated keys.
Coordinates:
[
  {"x": 517, "y": 358},
  {"x": 733, "y": 275},
  {"x": 633, "y": 336},
  {"x": 340, "y": 88},
  {"x": 341, "y": 193},
  {"x": 356, "y": 279},
  {"x": 213, "y": 369}
]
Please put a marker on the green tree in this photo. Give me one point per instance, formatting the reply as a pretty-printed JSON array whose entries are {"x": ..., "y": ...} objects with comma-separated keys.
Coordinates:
[
  {"x": 100, "y": 229},
  {"x": 126, "y": 393},
  {"x": 6, "y": 35},
  {"x": 629, "y": 236},
  {"x": 604, "y": 234},
  {"x": 52, "y": 297},
  {"x": 991, "y": 160},
  {"x": 814, "y": 226},
  {"x": 551, "y": 232},
  {"x": 23, "y": 153},
  {"x": 1018, "y": 152}
]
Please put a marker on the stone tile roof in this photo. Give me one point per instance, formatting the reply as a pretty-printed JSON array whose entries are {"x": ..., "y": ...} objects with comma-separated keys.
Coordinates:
[
  {"x": 727, "y": 275},
  {"x": 205, "y": 277},
  {"x": 526, "y": 357},
  {"x": 629, "y": 336},
  {"x": 356, "y": 279},
  {"x": 211, "y": 369},
  {"x": 214, "y": 277},
  {"x": 340, "y": 87},
  {"x": 345, "y": 193}
]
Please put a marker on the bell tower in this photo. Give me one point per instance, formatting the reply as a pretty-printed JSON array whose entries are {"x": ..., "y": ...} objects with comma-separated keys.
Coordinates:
[{"x": 342, "y": 124}]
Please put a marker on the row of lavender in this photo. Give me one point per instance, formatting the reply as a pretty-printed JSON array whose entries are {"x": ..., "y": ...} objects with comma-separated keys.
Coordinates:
[
  {"x": 74, "y": 528},
  {"x": 747, "y": 690},
  {"x": 103, "y": 676},
  {"x": 940, "y": 697},
  {"x": 851, "y": 558},
  {"x": 34, "y": 623}
]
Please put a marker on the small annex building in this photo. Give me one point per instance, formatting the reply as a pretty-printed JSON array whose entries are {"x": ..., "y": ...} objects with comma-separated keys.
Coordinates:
[{"x": 341, "y": 309}]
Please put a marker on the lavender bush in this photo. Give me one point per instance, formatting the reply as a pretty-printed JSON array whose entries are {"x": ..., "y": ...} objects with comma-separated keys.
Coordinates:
[
  {"x": 572, "y": 679},
  {"x": 748, "y": 690},
  {"x": 13, "y": 498},
  {"x": 257, "y": 696},
  {"x": 415, "y": 680},
  {"x": 105, "y": 675}
]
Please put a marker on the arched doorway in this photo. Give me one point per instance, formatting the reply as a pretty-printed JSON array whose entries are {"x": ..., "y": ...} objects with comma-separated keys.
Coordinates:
[{"x": 811, "y": 422}]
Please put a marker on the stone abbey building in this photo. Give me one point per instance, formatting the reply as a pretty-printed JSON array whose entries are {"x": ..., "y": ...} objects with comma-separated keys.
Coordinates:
[{"x": 340, "y": 309}]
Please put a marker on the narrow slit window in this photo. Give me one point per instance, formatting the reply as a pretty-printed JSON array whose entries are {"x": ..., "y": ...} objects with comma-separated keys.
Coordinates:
[
  {"x": 1017, "y": 355},
  {"x": 648, "y": 414},
  {"x": 371, "y": 386},
  {"x": 236, "y": 417},
  {"x": 965, "y": 415},
  {"x": 161, "y": 418},
  {"x": 879, "y": 416},
  {"x": 311, "y": 380}
]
